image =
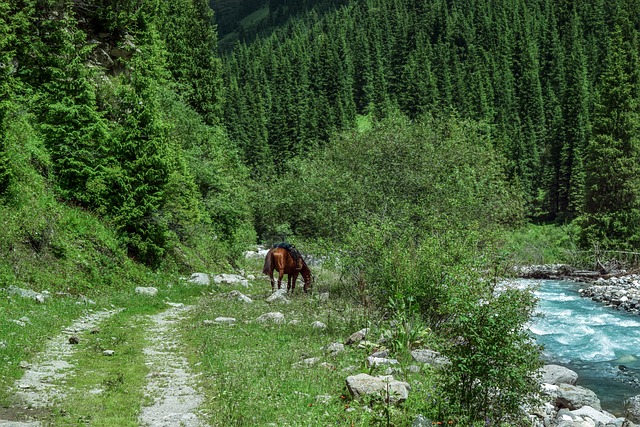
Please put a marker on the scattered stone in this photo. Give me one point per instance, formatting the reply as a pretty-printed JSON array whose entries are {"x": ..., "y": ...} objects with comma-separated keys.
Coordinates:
[
  {"x": 324, "y": 399},
  {"x": 600, "y": 417},
  {"x": 279, "y": 296},
  {"x": 555, "y": 374},
  {"x": 311, "y": 361},
  {"x": 208, "y": 322},
  {"x": 260, "y": 252},
  {"x": 200, "y": 279},
  {"x": 387, "y": 387},
  {"x": 323, "y": 296},
  {"x": 24, "y": 364},
  {"x": 334, "y": 348},
  {"x": 381, "y": 353},
  {"x": 28, "y": 293},
  {"x": 430, "y": 357},
  {"x": 148, "y": 291},
  {"x": 356, "y": 337},
  {"x": 73, "y": 339},
  {"x": 294, "y": 322},
  {"x": 18, "y": 322},
  {"x": 108, "y": 352},
  {"x": 318, "y": 325},
  {"x": 274, "y": 317},
  {"x": 225, "y": 320},
  {"x": 3, "y": 345},
  {"x": 381, "y": 361},
  {"x": 414, "y": 369},
  {"x": 95, "y": 330},
  {"x": 421, "y": 421},
  {"x": 231, "y": 279},
  {"x": 239, "y": 296},
  {"x": 175, "y": 304}
]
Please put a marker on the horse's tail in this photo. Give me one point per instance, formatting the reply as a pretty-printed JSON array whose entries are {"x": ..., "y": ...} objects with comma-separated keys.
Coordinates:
[{"x": 267, "y": 269}]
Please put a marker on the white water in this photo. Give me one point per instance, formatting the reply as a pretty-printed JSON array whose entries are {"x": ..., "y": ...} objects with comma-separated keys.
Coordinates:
[{"x": 591, "y": 339}]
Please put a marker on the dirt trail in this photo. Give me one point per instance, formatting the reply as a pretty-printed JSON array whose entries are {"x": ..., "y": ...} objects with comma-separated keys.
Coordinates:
[
  {"x": 171, "y": 384},
  {"x": 39, "y": 386},
  {"x": 171, "y": 388}
]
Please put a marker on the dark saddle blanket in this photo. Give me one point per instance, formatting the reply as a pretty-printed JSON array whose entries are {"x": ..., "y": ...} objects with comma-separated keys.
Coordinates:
[{"x": 293, "y": 251}]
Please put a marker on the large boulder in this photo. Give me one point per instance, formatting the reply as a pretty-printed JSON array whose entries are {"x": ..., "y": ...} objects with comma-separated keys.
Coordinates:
[
  {"x": 556, "y": 374},
  {"x": 575, "y": 397},
  {"x": 384, "y": 386},
  {"x": 632, "y": 409}
]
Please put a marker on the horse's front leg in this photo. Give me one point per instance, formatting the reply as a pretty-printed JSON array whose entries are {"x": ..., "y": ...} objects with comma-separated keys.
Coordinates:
[
  {"x": 273, "y": 282},
  {"x": 293, "y": 285}
]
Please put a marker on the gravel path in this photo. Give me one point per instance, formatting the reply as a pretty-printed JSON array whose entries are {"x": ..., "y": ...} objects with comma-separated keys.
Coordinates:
[
  {"x": 171, "y": 385},
  {"x": 38, "y": 386},
  {"x": 171, "y": 390}
]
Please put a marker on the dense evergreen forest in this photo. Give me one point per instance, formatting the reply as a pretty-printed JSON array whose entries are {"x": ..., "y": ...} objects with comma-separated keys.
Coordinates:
[{"x": 555, "y": 82}]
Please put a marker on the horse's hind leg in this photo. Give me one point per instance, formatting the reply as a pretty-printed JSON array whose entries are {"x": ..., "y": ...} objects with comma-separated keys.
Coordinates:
[
  {"x": 273, "y": 283},
  {"x": 280, "y": 274}
]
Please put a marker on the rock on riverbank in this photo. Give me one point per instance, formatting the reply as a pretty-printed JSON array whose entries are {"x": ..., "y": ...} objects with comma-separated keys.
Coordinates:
[
  {"x": 622, "y": 292},
  {"x": 568, "y": 405}
]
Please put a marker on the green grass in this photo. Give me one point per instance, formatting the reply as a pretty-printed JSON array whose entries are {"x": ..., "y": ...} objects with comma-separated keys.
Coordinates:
[
  {"x": 542, "y": 244},
  {"x": 253, "y": 372}
]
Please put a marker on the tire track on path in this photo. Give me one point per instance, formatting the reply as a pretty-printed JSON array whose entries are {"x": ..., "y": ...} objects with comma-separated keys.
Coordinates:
[
  {"x": 39, "y": 387},
  {"x": 171, "y": 384}
]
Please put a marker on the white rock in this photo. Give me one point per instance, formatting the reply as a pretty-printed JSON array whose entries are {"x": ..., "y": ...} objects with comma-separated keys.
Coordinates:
[
  {"x": 231, "y": 279},
  {"x": 274, "y": 317},
  {"x": 278, "y": 296},
  {"x": 200, "y": 279},
  {"x": 227, "y": 320},
  {"x": 318, "y": 325},
  {"x": 149, "y": 291},
  {"x": 378, "y": 361},
  {"x": 240, "y": 296}
]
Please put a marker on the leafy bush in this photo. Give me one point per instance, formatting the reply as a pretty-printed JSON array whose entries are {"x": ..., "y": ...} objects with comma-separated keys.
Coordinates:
[
  {"x": 446, "y": 281},
  {"x": 434, "y": 174}
]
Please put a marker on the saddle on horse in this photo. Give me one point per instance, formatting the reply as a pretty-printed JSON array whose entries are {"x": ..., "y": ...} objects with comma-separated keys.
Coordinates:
[{"x": 293, "y": 251}]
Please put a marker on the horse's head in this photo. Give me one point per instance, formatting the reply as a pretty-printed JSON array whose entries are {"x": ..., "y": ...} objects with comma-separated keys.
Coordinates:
[{"x": 306, "y": 276}]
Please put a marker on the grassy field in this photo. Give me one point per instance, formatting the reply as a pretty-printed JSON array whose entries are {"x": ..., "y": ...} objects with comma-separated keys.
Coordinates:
[{"x": 250, "y": 373}]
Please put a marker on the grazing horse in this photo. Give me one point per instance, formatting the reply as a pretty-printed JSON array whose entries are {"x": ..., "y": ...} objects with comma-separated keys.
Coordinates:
[{"x": 287, "y": 260}]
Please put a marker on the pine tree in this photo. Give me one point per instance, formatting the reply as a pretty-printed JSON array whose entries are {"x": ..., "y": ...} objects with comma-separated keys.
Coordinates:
[
  {"x": 575, "y": 107},
  {"x": 612, "y": 161}
]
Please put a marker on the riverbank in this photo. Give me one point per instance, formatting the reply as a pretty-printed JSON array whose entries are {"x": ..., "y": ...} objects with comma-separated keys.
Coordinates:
[{"x": 617, "y": 289}]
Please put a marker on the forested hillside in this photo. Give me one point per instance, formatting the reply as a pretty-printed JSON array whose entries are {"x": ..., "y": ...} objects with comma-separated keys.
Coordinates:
[
  {"x": 556, "y": 82},
  {"x": 114, "y": 109}
]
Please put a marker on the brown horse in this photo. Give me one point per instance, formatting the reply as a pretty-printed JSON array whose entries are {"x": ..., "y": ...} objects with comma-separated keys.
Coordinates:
[{"x": 279, "y": 258}]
